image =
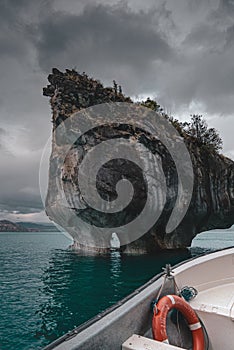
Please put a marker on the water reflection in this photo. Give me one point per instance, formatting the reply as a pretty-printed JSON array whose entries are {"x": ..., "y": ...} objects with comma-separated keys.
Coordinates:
[
  {"x": 75, "y": 288},
  {"x": 115, "y": 274}
]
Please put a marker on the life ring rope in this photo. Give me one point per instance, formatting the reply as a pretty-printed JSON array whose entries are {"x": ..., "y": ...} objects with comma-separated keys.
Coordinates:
[{"x": 161, "y": 309}]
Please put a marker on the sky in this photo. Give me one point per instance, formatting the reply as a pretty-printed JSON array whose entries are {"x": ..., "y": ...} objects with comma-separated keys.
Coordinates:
[{"x": 179, "y": 52}]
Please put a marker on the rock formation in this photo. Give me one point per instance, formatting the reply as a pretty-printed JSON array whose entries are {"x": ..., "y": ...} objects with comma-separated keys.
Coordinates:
[{"x": 212, "y": 204}]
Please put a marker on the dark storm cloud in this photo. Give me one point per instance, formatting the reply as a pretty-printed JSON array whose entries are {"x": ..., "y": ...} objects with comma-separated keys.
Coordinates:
[
  {"x": 19, "y": 182},
  {"x": 208, "y": 62},
  {"x": 101, "y": 36},
  {"x": 225, "y": 7},
  {"x": 230, "y": 37},
  {"x": 21, "y": 78},
  {"x": 181, "y": 52},
  {"x": 22, "y": 113},
  {"x": 201, "y": 70},
  {"x": 12, "y": 42},
  {"x": 2, "y": 134}
]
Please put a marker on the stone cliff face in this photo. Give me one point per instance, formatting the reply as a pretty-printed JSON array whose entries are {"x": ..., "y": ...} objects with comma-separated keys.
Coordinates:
[{"x": 212, "y": 204}]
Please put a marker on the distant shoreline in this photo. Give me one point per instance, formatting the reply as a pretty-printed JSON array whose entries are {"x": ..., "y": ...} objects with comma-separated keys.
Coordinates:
[{"x": 9, "y": 226}]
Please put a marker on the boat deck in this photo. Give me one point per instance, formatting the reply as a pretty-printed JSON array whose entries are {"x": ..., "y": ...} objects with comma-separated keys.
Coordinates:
[
  {"x": 137, "y": 342},
  {"x": 218, "y": 300}
]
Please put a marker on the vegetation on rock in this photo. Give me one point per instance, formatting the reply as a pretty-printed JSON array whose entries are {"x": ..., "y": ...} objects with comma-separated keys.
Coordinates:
[
  {"x": 205, "y": 136},
  {"x": 197, "y": 129}
]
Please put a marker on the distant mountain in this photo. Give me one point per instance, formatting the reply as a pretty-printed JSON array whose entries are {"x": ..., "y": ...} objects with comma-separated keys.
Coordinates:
[{"x": 8, "y": 226}]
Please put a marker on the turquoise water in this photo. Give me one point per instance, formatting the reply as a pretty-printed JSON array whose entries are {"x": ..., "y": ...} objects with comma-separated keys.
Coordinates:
[{"x": 46, "y": 289}]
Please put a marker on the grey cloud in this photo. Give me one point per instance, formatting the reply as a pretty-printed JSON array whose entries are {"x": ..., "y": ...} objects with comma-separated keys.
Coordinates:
[
  {"x": 19, "y": 182},
  {"x": 180, "y": 52},
  {"x": 137, "y": 49},
  {"x": 22, "y": 105},
  {"x": 3, "y": 141},
  {"x": 22, "y": 205},
  {"x": 226, "y": 6},
  {"x": 101, "y": 37},
  {"x": 204, "y": 72},
  {"x": 2, "y": 133},
  {"x": 229, "y": 37},
  {"x": 206, "y": 37},
  {"x": 206, "y": 79},
  {"x": 15, "y": 16}
]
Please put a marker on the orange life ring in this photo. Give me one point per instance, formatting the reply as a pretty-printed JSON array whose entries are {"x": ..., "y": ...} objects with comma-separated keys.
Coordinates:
[{"x": 161, "y": 310}]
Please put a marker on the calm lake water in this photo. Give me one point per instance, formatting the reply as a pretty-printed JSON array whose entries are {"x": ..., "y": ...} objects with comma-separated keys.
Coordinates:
[{"x": 46, "y": 289}]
